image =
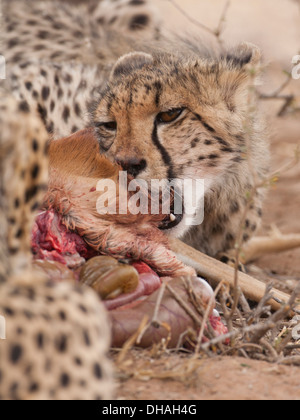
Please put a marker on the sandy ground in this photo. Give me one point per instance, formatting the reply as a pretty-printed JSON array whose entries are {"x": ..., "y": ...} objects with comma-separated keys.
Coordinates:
[
  {"x": 274, "y": 26},
  {"x": 229, "y": 378}
]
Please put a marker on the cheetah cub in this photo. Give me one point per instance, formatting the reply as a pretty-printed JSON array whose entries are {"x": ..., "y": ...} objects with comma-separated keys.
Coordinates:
[{"x": 178, "y": 114}]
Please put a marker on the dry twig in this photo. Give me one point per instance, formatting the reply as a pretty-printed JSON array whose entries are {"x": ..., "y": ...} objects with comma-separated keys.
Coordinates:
[
  {"x": 287, "y": 99},
  {"x": 217, "y": 33}
]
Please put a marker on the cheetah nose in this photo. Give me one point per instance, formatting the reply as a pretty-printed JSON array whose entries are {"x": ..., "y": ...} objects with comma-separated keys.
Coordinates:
[{"x": 133, "y": 166}]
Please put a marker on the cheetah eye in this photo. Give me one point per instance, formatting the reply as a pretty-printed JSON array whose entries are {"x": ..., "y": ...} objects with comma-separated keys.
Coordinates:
[
  {"x": 109, "y": 126},
  {"x": 169, "y": 116}
]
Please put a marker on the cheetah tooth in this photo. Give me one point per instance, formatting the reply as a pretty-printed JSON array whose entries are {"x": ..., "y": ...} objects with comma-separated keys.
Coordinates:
[{"x": 172, "y": 217}]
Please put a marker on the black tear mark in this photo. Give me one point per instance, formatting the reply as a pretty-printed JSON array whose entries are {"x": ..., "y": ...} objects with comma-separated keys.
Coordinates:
[{"x": 164, "y": 154}]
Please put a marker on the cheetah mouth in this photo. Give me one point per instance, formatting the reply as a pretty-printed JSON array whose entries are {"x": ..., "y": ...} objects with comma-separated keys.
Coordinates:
[{"x": 171, "y": 221}]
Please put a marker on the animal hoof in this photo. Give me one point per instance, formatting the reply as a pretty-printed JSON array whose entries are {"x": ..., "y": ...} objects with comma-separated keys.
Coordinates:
[{"x": 108, "y": 277}]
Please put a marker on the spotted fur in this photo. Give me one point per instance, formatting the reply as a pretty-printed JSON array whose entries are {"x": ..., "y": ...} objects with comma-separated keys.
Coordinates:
[{"x": 105, "y": 63}]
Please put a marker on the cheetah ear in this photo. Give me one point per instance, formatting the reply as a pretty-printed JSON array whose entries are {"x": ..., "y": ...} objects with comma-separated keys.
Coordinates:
[
  {"x": 130, "y": 62},
  {"x": 246, "y": 55},
  {"x": 241, "y": 68}
]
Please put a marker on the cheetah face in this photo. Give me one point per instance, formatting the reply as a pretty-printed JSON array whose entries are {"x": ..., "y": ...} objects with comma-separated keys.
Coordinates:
[{"x": 167, "y": 117}]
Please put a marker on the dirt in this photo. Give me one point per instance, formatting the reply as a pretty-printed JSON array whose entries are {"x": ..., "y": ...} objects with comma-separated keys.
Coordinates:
[
  {"x": 230, "y": 378},
  {"x": 273, "y": 25}
]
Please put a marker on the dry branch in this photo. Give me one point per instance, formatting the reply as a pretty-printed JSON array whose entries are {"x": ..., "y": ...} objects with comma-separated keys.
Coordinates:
[
  {"x": 288, "y": 99},
  {"x": 260, "y": 246},
  {"x": 217, "y": 33},
  {"x": 215, "y": 271}
]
